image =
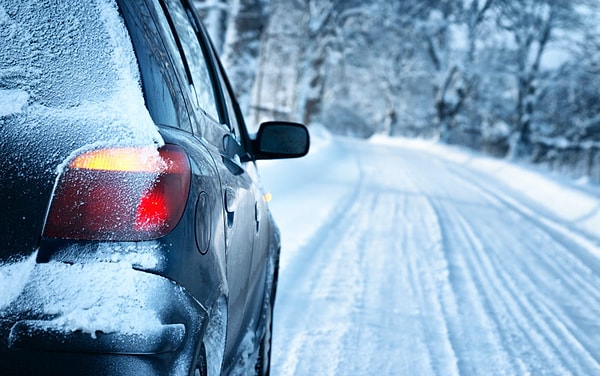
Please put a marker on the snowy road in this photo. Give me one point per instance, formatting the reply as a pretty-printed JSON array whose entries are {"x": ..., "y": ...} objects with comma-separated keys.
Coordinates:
[{"x": 398, "y": 260}]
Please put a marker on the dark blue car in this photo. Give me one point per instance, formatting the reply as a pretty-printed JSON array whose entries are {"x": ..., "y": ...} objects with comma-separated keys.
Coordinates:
[{"x": 134, "y": 236}]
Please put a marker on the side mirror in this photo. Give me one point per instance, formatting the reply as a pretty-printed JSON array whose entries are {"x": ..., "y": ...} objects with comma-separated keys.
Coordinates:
[{"x": 279, "y": 139}]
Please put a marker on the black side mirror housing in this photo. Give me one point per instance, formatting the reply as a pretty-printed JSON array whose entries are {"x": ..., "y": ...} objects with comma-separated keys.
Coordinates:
[{"x": 281, "y": 139}]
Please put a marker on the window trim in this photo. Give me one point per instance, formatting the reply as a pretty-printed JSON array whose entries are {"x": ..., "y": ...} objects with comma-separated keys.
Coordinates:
[
  {"x": 172, "y": 77},
  {"x": 207, "y": 51}
]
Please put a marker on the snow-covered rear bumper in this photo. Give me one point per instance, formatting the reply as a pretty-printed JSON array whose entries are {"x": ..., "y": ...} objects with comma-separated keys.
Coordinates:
[
  {"x": 48, "y": 336},
  {"x": 107, "y": 317}
]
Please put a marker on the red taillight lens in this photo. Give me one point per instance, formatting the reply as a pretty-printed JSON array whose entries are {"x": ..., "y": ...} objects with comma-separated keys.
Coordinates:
[{"x": 120, "y": 194}]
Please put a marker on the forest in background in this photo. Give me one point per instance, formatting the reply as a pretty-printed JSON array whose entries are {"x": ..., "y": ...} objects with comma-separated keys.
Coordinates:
[{"x": 512, "y": 78}]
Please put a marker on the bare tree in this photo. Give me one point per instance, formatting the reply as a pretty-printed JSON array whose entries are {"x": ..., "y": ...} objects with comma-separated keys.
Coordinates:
[
  {"x": 320, "y": 31},
  {"x": 532, "y": 23},
  {"x": 453, "y": 65},
  {"x": 215, "y": 16},
  {"x": 247, "y": 21}
]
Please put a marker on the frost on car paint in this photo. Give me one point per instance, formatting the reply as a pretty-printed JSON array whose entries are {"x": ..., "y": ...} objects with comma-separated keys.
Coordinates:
[
  {"x": 56, "y": 101},
  {"x": 12, "y": 101}
]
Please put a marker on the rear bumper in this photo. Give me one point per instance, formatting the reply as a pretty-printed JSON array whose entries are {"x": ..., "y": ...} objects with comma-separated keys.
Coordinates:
[
  {"x": 104, "y": 319},
  {"x": 47, "y": 336}
]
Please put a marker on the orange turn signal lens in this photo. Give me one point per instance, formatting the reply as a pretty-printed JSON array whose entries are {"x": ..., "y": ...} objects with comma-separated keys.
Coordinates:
[{"x": 120, "y": 159}]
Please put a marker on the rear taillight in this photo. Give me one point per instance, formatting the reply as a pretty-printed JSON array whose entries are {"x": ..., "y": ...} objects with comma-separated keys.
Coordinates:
[{"x": 120, "y": 194}]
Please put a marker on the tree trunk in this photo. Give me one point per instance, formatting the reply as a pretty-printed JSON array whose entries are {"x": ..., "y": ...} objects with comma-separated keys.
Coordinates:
[{"x": 242, "y": 45}]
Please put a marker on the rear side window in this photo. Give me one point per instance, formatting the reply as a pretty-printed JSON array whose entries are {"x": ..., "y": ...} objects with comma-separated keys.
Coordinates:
[
  {"x": 201, "y": 86},
  {"x": 159, "y": 81}
]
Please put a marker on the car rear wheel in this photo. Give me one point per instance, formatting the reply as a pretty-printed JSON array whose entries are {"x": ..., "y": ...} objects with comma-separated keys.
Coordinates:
[
  {"x": 210, "y": 361},
  {"x": 263, "y": 363},
  {"x": 264, "y": 352}
]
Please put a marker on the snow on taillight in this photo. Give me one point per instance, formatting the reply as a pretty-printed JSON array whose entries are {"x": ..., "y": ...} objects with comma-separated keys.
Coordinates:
[{"x": 120, "y": 194}]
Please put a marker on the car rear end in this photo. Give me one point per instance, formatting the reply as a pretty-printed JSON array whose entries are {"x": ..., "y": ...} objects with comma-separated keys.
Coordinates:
[{"x": 88, "y": 189}]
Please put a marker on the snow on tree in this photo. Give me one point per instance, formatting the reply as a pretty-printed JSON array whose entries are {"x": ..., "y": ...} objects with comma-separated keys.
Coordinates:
[
  {"x": 274, "y": 90},
  {"x": 215, "y": 15},
  {"x": 533, "y": 25},
  {"x": 242, "y": 45},
  {"x": 511, "y": 77}
]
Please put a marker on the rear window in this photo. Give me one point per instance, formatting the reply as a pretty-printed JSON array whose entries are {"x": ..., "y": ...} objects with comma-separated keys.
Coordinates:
[
  {"x": 62, "y": 55},
  {"x": 71, "y": 60}
]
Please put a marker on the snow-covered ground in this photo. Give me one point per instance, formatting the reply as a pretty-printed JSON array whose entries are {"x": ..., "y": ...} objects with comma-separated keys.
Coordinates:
[{"x": 411, "y": 258}]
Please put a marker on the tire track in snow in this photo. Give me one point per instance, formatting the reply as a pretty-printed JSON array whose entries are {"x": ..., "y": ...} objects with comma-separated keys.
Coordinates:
[
  {"x": 296, "y": 313},
  {"x": 409, "y": 254},
  {"x": 475, "y": 334},
  {"x": 575, "y": 245},
  {"x": 420, "y": 270},
  {"x": 528, "y": 315},
  {"x": 477, "y": 348},
  {"x": 370, "y": 295},
  {"x": 557, "y": 341},
  {"x": 406, "y": 301},
  {"x": 312, "y": 305},
  {"x": 502, "y": 308},
  {"x": 560, "y": 274}
]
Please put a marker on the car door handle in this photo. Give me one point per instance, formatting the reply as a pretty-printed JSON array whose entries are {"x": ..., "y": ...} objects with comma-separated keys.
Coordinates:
[
  {"x": 231, "y": 154},
  {"x": 231, "y": 200},
  {"x": 231, "y": 204},
  {"x": 257, "y": 217},
  {"x": 233, "y": 164}
]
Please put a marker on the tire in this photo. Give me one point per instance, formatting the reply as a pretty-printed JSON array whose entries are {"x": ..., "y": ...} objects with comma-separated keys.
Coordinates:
[
  {"x": 210, "y": 360},
  {"x": 263, "y": 363}
]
